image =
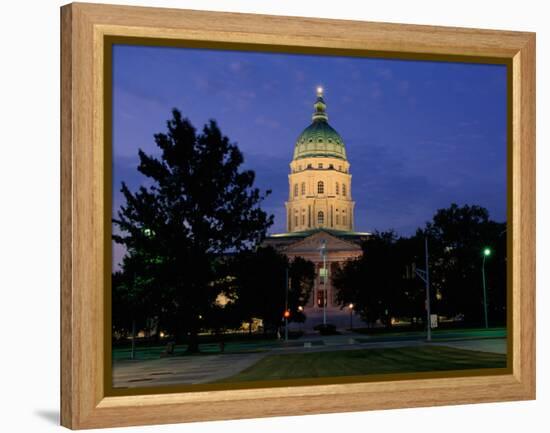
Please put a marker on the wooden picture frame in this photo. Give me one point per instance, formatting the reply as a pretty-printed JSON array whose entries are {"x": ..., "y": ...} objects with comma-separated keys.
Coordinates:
[{"x": 85, "y": 226}]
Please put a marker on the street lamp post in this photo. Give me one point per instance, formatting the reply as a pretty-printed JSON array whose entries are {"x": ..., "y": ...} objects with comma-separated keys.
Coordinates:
[
  {"x": 486, "y": 253},
  {"x": 428, "y": 297},
  {"x": 133, "y": 352},
  {"x": 424, "y": 275},
  {"x": 286, "y": 304},
  {"x": 325, "y": 291},
  {"x": 350, "y": 316}
]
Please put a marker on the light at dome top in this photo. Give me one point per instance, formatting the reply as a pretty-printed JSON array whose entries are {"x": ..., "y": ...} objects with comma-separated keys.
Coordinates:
[{"x": 319, "y": 139}]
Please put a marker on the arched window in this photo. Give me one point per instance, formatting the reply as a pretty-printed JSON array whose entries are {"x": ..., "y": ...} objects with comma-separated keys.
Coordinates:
[
  {"x": 320, "y": 218},
  {"x": 337, "y": 189},
  {"x": 320, "y": 187},
  {"x": 296, "y": 218},
  {"x": 303, "y": 188},
  {"x": 344, "y": 220},
  {"x": 337, "y": 217},
  {"x": 344, "y": 189},
  {"x": 295, "y": 190}
]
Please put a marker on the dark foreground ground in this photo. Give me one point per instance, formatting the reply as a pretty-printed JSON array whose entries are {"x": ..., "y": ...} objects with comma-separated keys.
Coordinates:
[
  {"x": 313, "y": 356},
  {"x": 367, "y": 362}
]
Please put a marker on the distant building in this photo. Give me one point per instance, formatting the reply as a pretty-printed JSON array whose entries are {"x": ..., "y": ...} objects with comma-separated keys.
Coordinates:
[{"x": 320, "y": 213}]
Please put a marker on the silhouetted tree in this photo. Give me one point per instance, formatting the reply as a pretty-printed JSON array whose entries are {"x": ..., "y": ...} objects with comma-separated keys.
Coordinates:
[
  {"x": 382, "y": 283},
  {"x": 199, "y": 206},
  {"x": 457, "y": 237},
  {"x": 410, "y": 254},
  {"x": 129, "y": 304},
  {"x": 260, "y": 285},
  {"x": 374, "y": 281},
  {"x": 132, "y": 302},
  {"x": 302, "y": 278}
]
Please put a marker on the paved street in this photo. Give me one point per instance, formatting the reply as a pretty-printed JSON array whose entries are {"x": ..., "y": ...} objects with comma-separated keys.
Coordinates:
[{"x": 212, "y": 367}]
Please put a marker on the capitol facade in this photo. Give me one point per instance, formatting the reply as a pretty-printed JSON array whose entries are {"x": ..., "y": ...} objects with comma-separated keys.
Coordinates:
[{"x": 320, "y": 214}]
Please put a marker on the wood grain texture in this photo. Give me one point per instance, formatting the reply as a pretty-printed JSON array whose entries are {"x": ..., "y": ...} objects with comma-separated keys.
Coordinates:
[
  {"x": 83, "y": 226},
  {"x": 67, "y": 388},
  {"x": 523, "y": 220}
]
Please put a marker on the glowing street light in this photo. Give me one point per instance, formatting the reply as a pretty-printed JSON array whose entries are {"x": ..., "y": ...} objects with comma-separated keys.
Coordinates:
[
  {"x": 486, "y": 253},
  {"x": 350, "y": 306}
]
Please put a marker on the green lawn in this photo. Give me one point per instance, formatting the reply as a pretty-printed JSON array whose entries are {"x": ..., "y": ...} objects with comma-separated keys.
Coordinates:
[
  {"x": 367, "y": 361},
  {"x": 153, "y": 352},
  {"x": 496, "y": 332},
  {"x": 245, "y": 344}
]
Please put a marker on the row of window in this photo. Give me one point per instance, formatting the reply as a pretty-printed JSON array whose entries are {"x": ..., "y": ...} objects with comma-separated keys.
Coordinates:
[
  {"x": 320, "y": 166},
  {"x": 321, "y": 217},
  {"x": 320, "y": 188}
]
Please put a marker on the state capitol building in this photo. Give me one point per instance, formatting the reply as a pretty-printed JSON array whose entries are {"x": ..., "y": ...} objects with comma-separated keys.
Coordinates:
[{"x": 320, "y": 213}]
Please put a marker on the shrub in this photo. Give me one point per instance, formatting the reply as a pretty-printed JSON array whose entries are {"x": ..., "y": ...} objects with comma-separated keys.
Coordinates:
[{"x": 328, "y": 329}]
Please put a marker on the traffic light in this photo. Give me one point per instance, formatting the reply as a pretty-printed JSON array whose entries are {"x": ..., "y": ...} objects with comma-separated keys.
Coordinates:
[{"x": 286, "y": 314}]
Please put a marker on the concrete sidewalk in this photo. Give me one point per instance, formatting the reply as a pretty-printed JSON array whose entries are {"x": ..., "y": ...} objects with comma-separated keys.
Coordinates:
[
  {"x": 493, "y": 345},
  {"x": 181, "y": 369}
]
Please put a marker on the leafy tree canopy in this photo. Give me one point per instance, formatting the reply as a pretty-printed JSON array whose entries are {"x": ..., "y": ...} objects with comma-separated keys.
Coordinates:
[
  {"x": 382, "y": 282},
  {"x": 199, "y": 205},
  {"x": 260, "y": 278}
]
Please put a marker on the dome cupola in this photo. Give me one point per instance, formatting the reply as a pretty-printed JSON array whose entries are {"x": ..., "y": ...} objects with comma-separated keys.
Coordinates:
[{"x": 319, "y": 139}]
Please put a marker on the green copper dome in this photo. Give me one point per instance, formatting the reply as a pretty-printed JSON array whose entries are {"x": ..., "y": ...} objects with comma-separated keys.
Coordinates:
[{"x": 319, "y": 139}]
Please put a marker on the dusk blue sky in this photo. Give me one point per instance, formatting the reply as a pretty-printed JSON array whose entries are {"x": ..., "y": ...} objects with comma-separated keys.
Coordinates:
[{"x": 419, "y": 135}]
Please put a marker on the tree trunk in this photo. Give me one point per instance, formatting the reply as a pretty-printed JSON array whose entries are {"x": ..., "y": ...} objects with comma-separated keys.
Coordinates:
[
  {"x": 133, "y": 356},
  {"x": 193, "y": 345},
  {"x": 157, "y": 331},
  {"x": 222, "y": 341}
]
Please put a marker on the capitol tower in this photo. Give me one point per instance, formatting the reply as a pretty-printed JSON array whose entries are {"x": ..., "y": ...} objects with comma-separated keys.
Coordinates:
[
  {"x": 320, "y": 215},
  {"x": 319, "y": 180}
]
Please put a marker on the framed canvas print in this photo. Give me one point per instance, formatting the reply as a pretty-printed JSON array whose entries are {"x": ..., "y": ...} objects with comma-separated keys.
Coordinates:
[{"x": 270, "y": 216}]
